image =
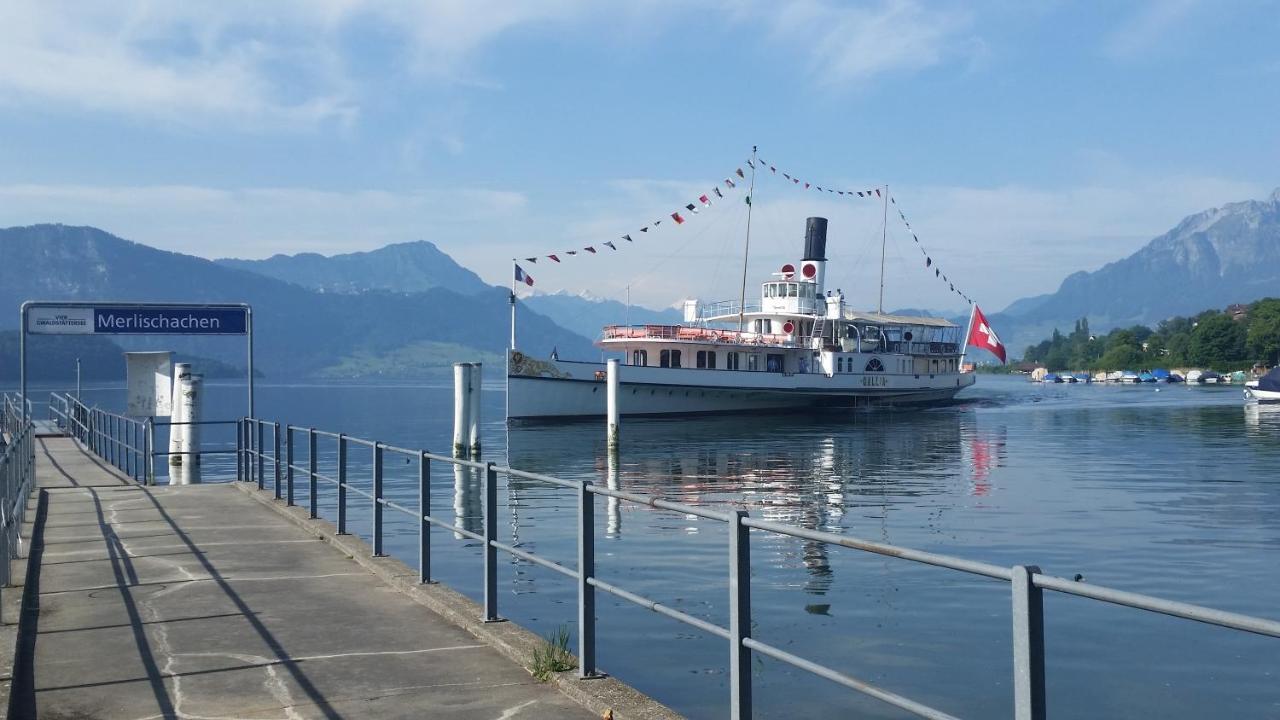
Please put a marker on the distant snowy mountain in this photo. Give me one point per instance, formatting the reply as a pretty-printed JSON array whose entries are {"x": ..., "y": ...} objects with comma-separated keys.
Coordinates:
[
  {"x": 587, "y": 315},
  {"x": 1211, "y": 259}
]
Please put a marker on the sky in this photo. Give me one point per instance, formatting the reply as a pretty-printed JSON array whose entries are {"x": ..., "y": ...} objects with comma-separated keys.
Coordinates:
[{"x": 1023, "y": 141}]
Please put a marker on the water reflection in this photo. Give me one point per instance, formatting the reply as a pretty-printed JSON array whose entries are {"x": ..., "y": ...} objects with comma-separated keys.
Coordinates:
[
  {"x": 1262, "y": 419},
  {"x": 468, "y": 510},
  {"x": 184, "y": 474}
]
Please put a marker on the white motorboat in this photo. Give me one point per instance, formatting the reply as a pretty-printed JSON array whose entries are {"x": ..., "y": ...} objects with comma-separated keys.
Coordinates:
[{"x": 1265, "y": 389}]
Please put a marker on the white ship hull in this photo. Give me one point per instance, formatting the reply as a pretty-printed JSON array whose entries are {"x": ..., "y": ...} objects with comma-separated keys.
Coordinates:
[{"x": 565, "y": 389}]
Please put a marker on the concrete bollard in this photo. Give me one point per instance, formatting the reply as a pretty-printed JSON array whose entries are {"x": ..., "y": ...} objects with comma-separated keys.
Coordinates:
[
  {"x": 461, "y": 408},
  {"x": 612, "y": 393},
  {"x": 473, "y": 414},
  {"x": 176, "y": 432}
]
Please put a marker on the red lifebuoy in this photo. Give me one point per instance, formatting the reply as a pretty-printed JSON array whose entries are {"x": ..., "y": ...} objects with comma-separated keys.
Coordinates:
[{"x": 788, "y": 327}]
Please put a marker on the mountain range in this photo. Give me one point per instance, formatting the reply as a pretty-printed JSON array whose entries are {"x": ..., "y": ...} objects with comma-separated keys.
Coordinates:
[
  {"x": 299, "y": 331},
  {"x": 409, "y": 309},
  {"x": 1225, "y": 255}
]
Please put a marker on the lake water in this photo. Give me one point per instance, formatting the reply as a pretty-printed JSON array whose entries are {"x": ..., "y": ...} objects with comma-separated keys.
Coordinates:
[{"x": 1167, "y": 490}]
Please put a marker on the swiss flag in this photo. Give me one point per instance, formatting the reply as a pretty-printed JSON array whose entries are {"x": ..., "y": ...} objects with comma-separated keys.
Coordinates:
[{"x": 981, "y": 335}]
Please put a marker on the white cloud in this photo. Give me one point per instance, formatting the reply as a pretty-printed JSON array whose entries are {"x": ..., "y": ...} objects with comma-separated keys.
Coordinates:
[
  {"x": 279, "y": 62},
  {"x": 996, "y": 243},
  {"x": 854, "y": 44},
  {"x": 257, "y": 222},
  {"x": 1148, "y": 27}
]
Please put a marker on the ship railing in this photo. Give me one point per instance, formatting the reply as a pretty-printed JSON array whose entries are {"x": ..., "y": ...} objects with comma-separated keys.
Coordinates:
[
  {"x": 697, "y": 334},
  {"x": 280, "y": 465},
  {"x": 722, "y": 308}
]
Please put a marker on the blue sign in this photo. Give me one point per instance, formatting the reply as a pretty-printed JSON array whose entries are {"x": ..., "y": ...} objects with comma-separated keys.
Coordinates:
[{"x": 177, "y": 320}]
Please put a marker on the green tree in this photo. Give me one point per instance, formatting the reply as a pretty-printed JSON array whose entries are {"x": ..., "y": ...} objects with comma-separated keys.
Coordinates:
[
  {"x": 1262, "y": 338},
  {"x": 1217, "y": 340}
]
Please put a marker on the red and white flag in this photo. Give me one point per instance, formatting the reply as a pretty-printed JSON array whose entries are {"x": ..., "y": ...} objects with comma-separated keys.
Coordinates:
[{"x": 982, "y": 335}]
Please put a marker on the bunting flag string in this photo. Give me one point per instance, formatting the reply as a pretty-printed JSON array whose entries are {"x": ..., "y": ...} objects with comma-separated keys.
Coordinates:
[
  {"x": 929, "y": 261},
  {"x": 679, "y": 217}
]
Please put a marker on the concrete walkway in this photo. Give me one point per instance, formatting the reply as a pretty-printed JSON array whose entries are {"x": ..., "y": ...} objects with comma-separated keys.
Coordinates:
[{"x": 200, "y": 602}]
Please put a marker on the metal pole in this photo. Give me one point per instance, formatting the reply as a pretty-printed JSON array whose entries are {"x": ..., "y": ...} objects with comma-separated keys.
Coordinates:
[
  {"x": 739, "y": 617},
  {"x": 275, "y": 457},
  {"x": 288, "y": 465},
  {"x": 461, "y": 407},
  {"x": 248, "y": 314},
  {"x": 586, "y": 570},
  {"x": 240, "y": 450},
  {"x": 1028, "y": 645},
  {"x": 22, "y": 358},
  {"x": 261, "y": 454},
  {"x": 377, "y": 499},
  {"x": 314, "y": 504},
  {"x": 342, "y": 484},
  {"x": 884, "y": 239},
  {"x": 77, "y": 378},
  {"x": 746, "y": 250},
  {"x": 151, "y": 451},
  {"x": 490, "y": 552},
  {"x": 424, "y": 511}
]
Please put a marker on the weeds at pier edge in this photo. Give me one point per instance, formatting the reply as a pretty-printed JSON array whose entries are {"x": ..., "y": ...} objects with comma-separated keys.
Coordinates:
[{"x": 553, "y": 655}]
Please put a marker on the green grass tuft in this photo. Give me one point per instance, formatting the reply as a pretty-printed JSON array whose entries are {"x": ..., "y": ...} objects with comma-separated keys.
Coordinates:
[{"x": 553, "y": 655}]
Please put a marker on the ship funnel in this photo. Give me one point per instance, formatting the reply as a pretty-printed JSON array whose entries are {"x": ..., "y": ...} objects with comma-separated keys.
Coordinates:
[{"x": 815, "y": 238}]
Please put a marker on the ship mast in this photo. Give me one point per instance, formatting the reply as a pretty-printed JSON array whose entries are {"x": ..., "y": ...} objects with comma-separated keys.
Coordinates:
[
  {"x": 884, "y": 235},
  {"x": 746, "y": 250}
]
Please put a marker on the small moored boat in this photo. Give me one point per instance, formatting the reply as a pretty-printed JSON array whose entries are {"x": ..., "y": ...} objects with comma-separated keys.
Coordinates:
[{"x": 1265, "y": 389}]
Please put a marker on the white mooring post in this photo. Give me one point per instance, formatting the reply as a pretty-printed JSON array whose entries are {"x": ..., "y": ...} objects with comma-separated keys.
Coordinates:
[
  {"x": 177, "y": 433},
  {"x": 192, "y": 400},
  {"x": 473, "y": 413},
  {"x": 461, "y": 408},
  {"x": 612, "y": 393}
]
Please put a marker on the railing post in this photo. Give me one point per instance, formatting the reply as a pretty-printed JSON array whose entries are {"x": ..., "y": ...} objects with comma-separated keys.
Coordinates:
[
  {"x": 586, "y": 591},
  {"x": 313, "y": 505},
  {"x": 261, "y": 454},
  {"x": 288, "y": 464},
  {"x": 342, "y": 484},
  {"x": 151, "y": 452},
  {"x": 377, "y": 499},
  {"x": 490, "y": 552},
  {"x": 424, "y": 511},
  {"x": 1028, "y": 645},
  {"x": 739, "y": 617},
  {"x": 240, "y": 450},
  {"x": 275, "y": 456}
]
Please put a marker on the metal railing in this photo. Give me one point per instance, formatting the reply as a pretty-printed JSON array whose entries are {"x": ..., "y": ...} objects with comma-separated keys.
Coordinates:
[
  {"x": 128, "y": 443},
  {"x": 1027, "y": 582},
  {"x": 17, "y": 478}
]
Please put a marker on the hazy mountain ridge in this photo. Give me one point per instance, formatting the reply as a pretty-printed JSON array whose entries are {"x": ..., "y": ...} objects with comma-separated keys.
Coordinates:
[
  {"x": 299, "y": 332},
  {"x": 1213, "y": 258},
  {"x": 586, "y": 316},
  {"x": 401, "y": 267}
]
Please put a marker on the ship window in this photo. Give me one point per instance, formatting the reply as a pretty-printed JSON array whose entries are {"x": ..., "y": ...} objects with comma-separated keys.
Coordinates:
[
  {"x": 640, "y": 357},
  {"x": 669, "y": 358},
  {"x": 874, "y": 365},
  {"x": 753, "y": 362},
  {"x": 791, "y": 289},
  {"x": 774, "y": 362},
  {"x": 707, "y": 359},
  {"x": 731, "y": 361},
  {"x": 840, "y": 364}
]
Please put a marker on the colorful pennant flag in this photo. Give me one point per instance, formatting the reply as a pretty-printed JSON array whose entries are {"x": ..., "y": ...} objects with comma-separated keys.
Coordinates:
[
  {"x": 609, "y": 244},
  {"x": 553, "y": 257},
  {"x": 590, "y": 249},
  {"x": 676, "y": 216},
  {"x": 704, "y": 200}
]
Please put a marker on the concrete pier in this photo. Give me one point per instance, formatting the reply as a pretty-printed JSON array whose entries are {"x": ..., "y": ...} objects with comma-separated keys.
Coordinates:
[{"x": 205, "y": 601}]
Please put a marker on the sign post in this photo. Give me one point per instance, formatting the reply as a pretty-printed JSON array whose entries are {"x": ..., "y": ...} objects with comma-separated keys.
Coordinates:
[{"x": 112, "y": 318}]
